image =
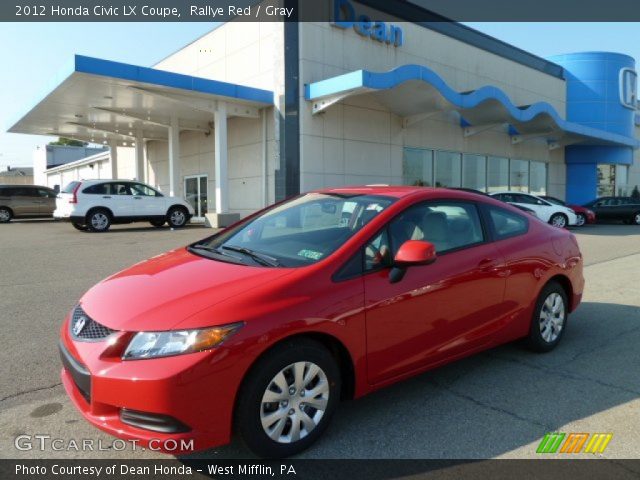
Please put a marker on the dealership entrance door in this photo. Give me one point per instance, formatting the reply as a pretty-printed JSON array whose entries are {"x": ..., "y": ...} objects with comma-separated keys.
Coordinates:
[{"x": 195, "y": 192}]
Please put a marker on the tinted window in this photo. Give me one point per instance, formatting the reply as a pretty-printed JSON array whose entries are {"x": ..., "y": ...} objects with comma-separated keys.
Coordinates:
[
  {"x": 98, "y": 189},
  {"x": 139, "y": 189},
  {"x": 43, "y": 192},
  {"x": 108, "y": 189},
  {"x": 71, "y": 186},
  {"x": 448, "y": 225},
  {"x": 22, "y": 192},
  {"x": 527, "y": 200},
  {"x": 507, "y": 224},
  {"x": 377, "y": 253}
]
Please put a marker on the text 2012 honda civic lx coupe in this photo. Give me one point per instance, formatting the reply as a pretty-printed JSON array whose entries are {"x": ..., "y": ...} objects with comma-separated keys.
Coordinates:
[{"x": 262, "y": 328}]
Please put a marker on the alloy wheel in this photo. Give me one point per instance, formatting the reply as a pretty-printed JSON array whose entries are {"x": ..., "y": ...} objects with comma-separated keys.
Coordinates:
[
  {"x": 559, "y": 221},
  {"x": 5, "y": 215},
  {"x": 636, "y": 219},
  {"x": 99, "y": 221},
  {"x": 552, "y": 316},
  {"x": 294, "y": 402},
  {"x": 178, "y": 217},
  {"x": 580, "y": 220}
]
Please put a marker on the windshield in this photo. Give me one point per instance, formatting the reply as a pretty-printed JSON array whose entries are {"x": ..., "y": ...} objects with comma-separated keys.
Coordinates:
[{"x": 299, "y": 232}]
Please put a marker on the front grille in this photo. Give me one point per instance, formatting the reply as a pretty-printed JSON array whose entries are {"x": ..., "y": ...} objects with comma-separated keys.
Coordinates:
[{"x": 83, "y": 327}]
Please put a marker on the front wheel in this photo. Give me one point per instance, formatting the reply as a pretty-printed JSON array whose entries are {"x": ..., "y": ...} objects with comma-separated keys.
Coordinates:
[
  {"x": 287, "y": 400},
  {"x": 5, "y": 215},
  {"x": 177, "y": 217},
  {"x": 581, "y": 219},
  {"x": 636, "y": 218},
  {"x": 559, "y": 220},
  {"x": 549, "y": 318}
]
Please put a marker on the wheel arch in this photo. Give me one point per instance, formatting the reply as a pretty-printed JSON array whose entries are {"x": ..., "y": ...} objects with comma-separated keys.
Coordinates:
[
  {"x": 9, "y": 208},
  {"x": 566, "y": 285},
  {"x": 93, "y": 209},
  {"x": 177, "y": 205}
]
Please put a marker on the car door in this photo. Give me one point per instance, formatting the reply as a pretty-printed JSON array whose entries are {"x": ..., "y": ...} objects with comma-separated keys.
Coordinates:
[
  {"x": 116, "y": 196},
  {"x": 605, "y": 208},
  {"x": 147, "y": 202},
  {"x": 47, "y": 201},
  {"x": 438, "y": 311}
]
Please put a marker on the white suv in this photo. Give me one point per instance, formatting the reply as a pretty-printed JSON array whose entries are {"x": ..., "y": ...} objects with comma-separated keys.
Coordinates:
[
  {"x": 95, "y": 204},
  {"x": 556, "y": 215}
]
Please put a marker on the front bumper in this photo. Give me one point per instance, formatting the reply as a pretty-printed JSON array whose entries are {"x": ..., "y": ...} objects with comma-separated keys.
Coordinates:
[{"x": 195, "y": 391}]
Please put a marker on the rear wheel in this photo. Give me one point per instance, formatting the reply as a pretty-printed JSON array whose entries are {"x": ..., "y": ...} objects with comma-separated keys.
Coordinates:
[
  {"x": 98, "y": 220},
  {"x": 177, "y": 217},
  {"x": 581, "y": 219},
  {"x": 5, "y": 215},
  {"x": 636, "y": 218},
  {"x": 287, "y": 400},
  {"x": 559, "y": 220},
  {"x": 157, "y": 223},
  {"x": 549, "y": 318}
]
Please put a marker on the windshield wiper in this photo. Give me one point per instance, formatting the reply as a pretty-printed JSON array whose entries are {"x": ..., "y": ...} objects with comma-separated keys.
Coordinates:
[{"x": 258, "y": 257}]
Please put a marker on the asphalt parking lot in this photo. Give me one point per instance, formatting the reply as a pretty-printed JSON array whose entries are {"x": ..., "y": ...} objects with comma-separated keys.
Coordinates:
[{"x": 496, "y": 404}]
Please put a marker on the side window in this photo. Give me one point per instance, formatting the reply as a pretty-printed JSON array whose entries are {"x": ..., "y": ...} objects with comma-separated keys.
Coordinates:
[
  {"x": 507, "y": 224},
  {"x": 98, "y": 189},
  {"x": 448, "y": 225},
  {"x": 139, "y": 189},
  {"x": 45, "y": 193},
  {"x": 526, "y": 199},
  {"x": 120, "y": 189},
  {"x": 377, "y": 253}
]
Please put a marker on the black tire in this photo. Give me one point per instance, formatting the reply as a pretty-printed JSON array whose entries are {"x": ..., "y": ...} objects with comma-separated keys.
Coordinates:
[
  {"x": 581, "y": 219},
  {"x": 635, "y": 219},
  {"x": 536, "y": 340},
  {"x": 177, "y": 217},
  {"x": 157, "y": 223},
  {"x": 79, "y": 226},
  {"x": 250, "y": 407},
  {"x": 559, "y": 220},
  {"x": 5, "y": 215},
  {"x": 98, "y": 220}
]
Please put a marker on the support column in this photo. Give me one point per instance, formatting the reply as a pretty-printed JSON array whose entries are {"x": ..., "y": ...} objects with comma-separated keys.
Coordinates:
[
  {"x": 139, "y": 154},
  {"x": 113, "y": 158},
  {"x": 221, "y": 152},
  {"x": 221, "y": 217},
  {"x": 174, "y": 156}
]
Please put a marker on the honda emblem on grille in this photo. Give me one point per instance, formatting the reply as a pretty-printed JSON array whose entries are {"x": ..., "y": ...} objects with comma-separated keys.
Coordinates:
[{"x": 79, "y": 325}]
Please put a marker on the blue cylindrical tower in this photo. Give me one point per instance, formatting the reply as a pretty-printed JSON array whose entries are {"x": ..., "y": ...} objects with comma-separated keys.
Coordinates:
[{"x": 600, "y": 94}]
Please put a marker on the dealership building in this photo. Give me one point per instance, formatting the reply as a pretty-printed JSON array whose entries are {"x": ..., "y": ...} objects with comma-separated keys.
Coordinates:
[{"x": 252, "y": 113}]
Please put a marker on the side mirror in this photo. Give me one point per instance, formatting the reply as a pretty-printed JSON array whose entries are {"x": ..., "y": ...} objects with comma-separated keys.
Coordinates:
[{"x": 411, "y": 253}]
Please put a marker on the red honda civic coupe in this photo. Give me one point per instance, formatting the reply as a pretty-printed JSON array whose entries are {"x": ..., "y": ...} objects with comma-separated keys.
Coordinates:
[{"x": 263, "y": 327}]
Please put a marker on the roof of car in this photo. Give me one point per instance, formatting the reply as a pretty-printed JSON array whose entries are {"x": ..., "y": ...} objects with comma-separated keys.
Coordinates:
[{"x": 398, "y": 191}]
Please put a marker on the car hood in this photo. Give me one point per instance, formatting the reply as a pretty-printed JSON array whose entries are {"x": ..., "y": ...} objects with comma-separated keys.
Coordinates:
[{"x": 160, "y": 293}]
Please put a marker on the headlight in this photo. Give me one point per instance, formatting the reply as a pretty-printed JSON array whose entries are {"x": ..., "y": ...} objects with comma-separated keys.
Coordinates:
[{"x": 176, "y": 342}]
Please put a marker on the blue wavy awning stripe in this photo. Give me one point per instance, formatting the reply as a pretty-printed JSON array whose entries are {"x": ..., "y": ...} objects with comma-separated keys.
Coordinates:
[{"x": 361, "y": 81}]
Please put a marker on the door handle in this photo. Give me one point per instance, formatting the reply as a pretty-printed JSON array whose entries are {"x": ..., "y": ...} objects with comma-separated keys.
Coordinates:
[{"x": 106, "y": 196}]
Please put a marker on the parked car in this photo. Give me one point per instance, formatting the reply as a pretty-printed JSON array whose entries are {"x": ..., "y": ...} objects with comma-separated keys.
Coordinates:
[
  {"x": 584, "y": 215},
  {"x": 20, "y": 201},
  {"x": 263, "y": 327},
  {"x": 625, "y": 209},
  {"x": 96, "y": 204},
  {"x": 556, "y": 215}
]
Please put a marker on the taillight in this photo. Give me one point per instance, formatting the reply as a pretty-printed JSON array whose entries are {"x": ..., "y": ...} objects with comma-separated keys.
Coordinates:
[{"x": 74, "y": 199}]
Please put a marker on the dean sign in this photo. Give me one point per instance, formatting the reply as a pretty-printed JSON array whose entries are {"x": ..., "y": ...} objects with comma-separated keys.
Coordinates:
[{"x": 345, "y": 16}]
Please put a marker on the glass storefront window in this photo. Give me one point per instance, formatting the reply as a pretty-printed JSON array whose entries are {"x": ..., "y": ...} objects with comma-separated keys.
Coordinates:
[
  {"x": 447, "y": 169},
  {"x": 497, "y": 174},
  {"x": 474, "y": 172},
  {"x": 606, "y": 180},
  {"x": 417, "y": 167},
  {"x": 538, "y": 178},
  {"x": 519, "y": 176},
  {"x": 622, "y": 181}
]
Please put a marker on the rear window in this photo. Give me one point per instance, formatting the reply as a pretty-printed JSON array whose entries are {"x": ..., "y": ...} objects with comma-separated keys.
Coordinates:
[
  {"x": 507, "y": 224},
  {"x": 70, "y": 187}
]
